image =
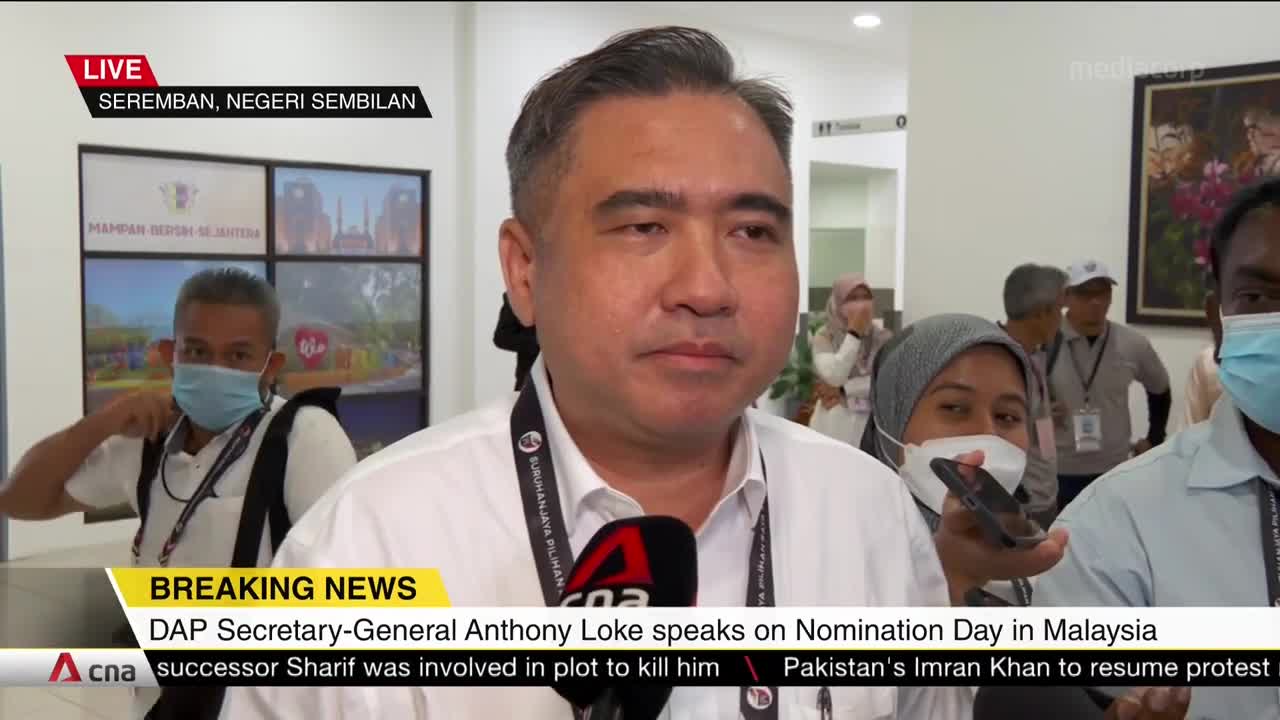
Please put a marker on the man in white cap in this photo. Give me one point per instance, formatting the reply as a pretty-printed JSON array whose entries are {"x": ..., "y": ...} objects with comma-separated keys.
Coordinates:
[{"x": 1091, "y": 364}]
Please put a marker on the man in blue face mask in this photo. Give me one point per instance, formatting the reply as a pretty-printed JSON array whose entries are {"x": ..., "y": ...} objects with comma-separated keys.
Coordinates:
[
  {"x": 184, "y": 460},
  {"x": 1193, "y": 522}
]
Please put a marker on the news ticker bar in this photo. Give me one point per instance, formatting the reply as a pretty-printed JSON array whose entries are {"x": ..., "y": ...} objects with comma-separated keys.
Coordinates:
[
  {"x": 949, "y": 668},
  {"x": 260, "y": 102}
]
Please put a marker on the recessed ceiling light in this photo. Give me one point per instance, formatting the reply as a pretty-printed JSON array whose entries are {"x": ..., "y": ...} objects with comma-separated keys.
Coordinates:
[{"x": 866, "y": 22}]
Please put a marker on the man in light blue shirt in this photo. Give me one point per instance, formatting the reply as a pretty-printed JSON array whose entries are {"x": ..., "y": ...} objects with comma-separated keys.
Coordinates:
[{"x": 1182, "y": 524}]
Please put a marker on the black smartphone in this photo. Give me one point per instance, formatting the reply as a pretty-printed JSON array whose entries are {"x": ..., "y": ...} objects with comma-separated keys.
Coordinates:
[{"x": 1002, "y": 517}]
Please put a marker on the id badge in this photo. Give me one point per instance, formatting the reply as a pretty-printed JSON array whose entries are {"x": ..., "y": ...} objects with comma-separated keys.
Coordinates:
[
  {"x": 1088, "y": 426},
  {"x": 1045, "y": 436},
  {"x": 862, "y": 405}
]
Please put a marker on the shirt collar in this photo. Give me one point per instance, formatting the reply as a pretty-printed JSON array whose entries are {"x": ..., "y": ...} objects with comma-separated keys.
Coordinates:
[
  {"x": 1226, "y": 457},
  {"x": 578, "y": 482},
  {"x": 176, "y": 442}
]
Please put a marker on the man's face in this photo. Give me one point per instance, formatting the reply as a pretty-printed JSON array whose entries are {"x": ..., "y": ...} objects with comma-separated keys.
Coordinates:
[
  {"x": 664, "y": 285},
  {"x": 232, "y": 336},
  {"x": 1087, "y": 305},
  {"x": 1051, "y": 320},
  {"x": 1249, "y": 275}
]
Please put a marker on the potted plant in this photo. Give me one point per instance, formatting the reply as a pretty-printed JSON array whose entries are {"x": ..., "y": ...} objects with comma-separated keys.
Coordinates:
[{"x": 795, "y": 383}]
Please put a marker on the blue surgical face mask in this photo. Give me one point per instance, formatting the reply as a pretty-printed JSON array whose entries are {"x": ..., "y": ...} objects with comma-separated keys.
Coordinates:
[
  {"x": 1249, "y": 366},
  {"x": 215, "y": 397}
]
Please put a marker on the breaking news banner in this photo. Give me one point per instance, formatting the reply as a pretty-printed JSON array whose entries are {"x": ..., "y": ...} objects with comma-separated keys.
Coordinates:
[
  {"x": 396, "y": 627},
  {"x": 124, "y": 86}
]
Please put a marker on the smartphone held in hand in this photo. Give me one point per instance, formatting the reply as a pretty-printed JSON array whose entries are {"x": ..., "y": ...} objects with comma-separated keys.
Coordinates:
[{"x": 1002, "y": 518}]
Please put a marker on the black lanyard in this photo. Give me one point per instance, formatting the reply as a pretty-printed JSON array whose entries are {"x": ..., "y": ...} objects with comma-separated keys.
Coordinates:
[
  {"x": 1267, "y": 504},
  {"x": 234, "y": 448},
  {"x": 1097, "y": 363},
  {"x": 549, "y": 537}
]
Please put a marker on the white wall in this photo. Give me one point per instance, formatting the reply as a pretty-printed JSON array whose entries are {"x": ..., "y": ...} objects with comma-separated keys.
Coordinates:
[
  {"x": 199, "y": 44},
  {"x": 517, "y": 43},
  {"x": 1013, "y": 159},
  {"x": 882, "y": 229},
  {"x": 888, "y": 151},
  {"x": 837, "y": 203}
]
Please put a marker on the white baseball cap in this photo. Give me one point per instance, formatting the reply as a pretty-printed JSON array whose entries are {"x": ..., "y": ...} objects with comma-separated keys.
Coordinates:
[{"x": 1082, "y": 271}]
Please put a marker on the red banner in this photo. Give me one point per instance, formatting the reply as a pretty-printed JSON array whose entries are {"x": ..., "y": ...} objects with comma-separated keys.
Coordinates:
[{"x": 111, "y": 71}]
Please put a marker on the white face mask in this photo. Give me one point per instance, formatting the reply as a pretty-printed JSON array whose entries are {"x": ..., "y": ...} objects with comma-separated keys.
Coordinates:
[{"x": 1005, "y": 461}]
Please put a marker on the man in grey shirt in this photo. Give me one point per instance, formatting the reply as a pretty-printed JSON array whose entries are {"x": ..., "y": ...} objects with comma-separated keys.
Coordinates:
[
  {"x": 1092, "y": 363},
  {"x": 1033, "y": 300}
]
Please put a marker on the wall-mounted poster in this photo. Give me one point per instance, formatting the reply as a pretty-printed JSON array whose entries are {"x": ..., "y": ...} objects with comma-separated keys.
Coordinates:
[
  {"x": 354, "y": 325},
  {"x": 128, "y": 307},
  {"x": 375, "y": 421},
  {"x": 1198, "y": 137},
  {"x": 156, "y": 204},
  {"x": 343, "y": 212}
]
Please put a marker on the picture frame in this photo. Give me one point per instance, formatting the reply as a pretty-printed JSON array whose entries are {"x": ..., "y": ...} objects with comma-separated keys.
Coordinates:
[{"x": 1198, "y": 137}]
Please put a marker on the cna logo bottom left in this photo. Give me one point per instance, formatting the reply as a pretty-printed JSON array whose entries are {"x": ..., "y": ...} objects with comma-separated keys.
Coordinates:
[{"x": 65, "y": 671}]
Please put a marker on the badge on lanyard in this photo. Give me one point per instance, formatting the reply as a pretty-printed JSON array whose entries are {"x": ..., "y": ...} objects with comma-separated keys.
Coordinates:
[{"x": 1088, "y": 426}]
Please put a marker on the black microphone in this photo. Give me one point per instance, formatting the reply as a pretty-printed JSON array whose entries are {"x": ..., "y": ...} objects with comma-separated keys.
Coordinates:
[
  {"x": 649, "y": 561},
  {"x": 1042, "y": 703}
]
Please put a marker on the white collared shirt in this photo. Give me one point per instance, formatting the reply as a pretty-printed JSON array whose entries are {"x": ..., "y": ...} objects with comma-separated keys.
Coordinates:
[
  {"x": 844, "y": 531},
  {"x": 319, "y": 454}
]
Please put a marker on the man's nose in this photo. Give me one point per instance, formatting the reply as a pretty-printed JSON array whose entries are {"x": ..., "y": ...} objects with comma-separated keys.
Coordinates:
[{"x": 702, "y": 279}]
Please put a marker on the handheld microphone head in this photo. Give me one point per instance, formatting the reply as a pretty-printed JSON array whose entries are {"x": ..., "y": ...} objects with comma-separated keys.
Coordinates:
[{"x": 649, "y": 561}]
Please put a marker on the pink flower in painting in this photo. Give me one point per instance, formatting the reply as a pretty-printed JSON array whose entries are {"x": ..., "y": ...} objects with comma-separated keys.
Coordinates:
[
  {"x": 1214, "y": 170},
  {"x": 1201, "y": 250},
  {"x": 1185, "y": 202}
]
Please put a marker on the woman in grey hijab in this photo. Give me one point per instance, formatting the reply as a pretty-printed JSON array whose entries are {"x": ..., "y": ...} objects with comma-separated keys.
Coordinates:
[{"x": 952, "y": 386}]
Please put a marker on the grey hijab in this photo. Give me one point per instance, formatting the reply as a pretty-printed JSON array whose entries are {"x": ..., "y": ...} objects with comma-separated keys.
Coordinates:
[{"x": 906, "y": 366}]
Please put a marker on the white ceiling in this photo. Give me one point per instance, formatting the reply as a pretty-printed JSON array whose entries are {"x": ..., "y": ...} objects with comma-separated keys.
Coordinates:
[{"x": 829, "y": 23}]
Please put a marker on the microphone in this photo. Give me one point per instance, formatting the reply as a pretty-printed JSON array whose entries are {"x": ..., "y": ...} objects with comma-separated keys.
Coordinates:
[
  {"x": 1043, "y": 703},
  {"x": 649, "y": 561}
]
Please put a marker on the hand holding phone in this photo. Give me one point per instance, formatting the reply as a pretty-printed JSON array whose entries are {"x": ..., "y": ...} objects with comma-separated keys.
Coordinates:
[
  {"x": 998, "y": 514},
  {"x": 969, "y": 555}
]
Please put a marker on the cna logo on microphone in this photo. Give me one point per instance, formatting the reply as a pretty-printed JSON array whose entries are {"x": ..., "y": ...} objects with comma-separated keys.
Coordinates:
[{"x": 614, "y": 574}]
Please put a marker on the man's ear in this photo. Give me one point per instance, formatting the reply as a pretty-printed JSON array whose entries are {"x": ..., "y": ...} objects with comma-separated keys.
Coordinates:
[
  {"x": 1212, "y": 313},
  {"x": 165, "y": 348},
  {"x": 516, "y": 253}
]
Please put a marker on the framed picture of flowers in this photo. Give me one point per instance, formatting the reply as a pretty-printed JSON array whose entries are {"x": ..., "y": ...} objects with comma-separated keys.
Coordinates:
[{"x": 1198, "y": 137}]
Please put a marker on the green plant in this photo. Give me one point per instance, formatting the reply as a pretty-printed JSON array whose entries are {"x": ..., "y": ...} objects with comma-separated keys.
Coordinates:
[{"x": 795, "y": 382}]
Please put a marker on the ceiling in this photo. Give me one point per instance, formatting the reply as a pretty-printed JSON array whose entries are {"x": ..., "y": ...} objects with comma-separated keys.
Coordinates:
[{"x": 829, "y": 23}]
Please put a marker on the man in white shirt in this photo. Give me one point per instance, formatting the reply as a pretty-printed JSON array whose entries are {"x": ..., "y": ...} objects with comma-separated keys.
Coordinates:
[
  {"x": 211, "y": 427},
  {"x": 652, "y": 248}
]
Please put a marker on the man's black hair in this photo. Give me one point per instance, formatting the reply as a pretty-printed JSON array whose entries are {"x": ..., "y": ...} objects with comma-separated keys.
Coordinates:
[{"x": 1254, "y": 197}]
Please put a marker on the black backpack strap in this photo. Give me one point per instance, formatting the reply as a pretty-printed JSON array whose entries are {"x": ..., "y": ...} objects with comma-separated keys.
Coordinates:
[
  {"x": 264, "y": 495},
  {"x": 152, "y": 451}
]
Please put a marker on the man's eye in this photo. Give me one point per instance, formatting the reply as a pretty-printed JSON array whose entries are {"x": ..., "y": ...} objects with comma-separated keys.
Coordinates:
[
  {"x": 647, "y": 228},
  {"x": 757, "y": 233}
]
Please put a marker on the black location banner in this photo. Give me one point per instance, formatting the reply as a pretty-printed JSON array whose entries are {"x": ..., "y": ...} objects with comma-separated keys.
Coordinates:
[{"x": 256, "y": 102}]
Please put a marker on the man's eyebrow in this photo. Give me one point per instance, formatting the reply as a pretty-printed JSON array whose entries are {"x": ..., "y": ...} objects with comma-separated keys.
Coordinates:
[
  {"x": 764, "y": 202},
  {"x": 1256, "y": 273},
  {"x": 650, "y": 198}
]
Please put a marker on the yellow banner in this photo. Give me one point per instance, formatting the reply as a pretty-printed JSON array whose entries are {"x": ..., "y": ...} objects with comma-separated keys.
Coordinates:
[{"x": 270, "y": 587}]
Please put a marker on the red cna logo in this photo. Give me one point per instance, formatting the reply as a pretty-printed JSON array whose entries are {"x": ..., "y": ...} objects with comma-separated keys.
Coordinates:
[{"x": 65, "y": 663}]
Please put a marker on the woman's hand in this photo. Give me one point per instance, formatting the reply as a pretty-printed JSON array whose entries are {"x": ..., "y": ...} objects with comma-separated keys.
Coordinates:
[
  {"x": 828, "y": 395},
  {"x": 1158, "y": 703}
]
